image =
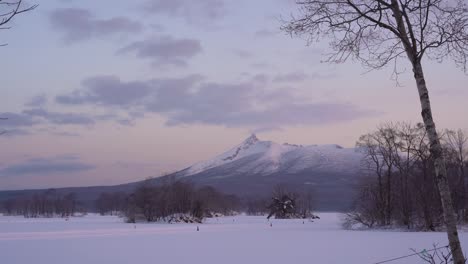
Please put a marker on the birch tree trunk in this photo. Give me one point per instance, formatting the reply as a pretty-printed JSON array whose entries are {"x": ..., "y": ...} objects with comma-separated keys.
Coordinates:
[
  {"x": 439, "y": 164},
  {"x": 377, "y": 33}
]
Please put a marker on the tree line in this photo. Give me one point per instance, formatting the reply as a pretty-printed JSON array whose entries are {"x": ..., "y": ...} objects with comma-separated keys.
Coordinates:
[
  {"x": 182, "y": 201},
  {"x": 169, "y": 201},
  {"x": 49, "y": 203},
  {"x": 400, "y": 187}
]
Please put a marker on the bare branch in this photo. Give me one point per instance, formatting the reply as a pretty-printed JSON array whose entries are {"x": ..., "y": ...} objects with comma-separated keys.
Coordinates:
[
  {"x": 376, "y": 32},
  {"x": 10, "y": 9}
]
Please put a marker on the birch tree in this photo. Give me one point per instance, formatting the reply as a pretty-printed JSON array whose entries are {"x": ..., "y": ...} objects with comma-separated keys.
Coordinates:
[{"x": 381, "y": 32}]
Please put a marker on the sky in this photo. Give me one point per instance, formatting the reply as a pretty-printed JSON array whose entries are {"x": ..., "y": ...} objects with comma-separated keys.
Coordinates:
[{"x": 109, "y": 92}]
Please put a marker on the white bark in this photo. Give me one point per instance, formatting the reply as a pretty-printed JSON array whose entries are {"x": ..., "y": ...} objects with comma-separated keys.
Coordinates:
[{"x": 439, "y": 164}]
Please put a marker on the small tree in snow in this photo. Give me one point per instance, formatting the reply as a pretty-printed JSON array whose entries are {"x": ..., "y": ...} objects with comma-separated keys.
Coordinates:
[{"x": 282, "y": 207}]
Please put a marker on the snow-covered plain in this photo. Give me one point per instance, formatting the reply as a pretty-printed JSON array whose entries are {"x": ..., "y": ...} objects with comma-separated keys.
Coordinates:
[{"x": 240, "y": 239}]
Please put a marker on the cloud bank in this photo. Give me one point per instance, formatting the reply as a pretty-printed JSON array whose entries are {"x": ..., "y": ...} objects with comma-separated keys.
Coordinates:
[
  {"x": 43, "y": 166},
  {"x": 164, "y": 50},
  {"x": 78, "y": 24},
  {"x": 201, "y": 13},
  {"x": 194, "y": 100}
]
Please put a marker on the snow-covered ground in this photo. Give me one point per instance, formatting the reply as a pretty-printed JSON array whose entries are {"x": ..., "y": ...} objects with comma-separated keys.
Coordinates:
[{"x": 240, "y": 239}]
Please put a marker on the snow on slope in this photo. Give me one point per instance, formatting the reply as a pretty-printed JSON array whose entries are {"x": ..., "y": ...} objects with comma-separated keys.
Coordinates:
[
  {"x": 267, "y": 157},
  {"x": 252, "y": 145}
]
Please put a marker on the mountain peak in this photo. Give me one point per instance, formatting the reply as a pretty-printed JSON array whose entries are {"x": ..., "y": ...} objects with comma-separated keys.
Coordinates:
[
  {"x": 252, "y": 139},
  {"x": 257, "y": 157}
]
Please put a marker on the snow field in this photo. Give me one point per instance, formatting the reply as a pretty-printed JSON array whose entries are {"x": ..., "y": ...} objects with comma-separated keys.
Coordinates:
[{"x": 231, "y": 240}]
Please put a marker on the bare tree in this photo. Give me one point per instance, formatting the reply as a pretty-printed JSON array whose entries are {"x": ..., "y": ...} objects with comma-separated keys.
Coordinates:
[
  {"x": 171, "y": 201},
  {"x": 379, "y": 32},
  {"x": 402, "y": 188},
  {"x": 288, "y": 204},
  {"x": 10, "y": 9},
  {"x": 368, "y": 207},
  {"x": 457, "y": 145},
  {"x": 406, "y": 141},
  {"x": 43, "y": 204},
  {"x": 425, "y": 198},
  {"x": 381, "y": 157},
  {"x": 110, "y": 203}
]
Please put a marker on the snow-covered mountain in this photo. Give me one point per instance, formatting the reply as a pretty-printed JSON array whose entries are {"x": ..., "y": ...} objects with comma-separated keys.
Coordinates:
[
  {"x": 267, "y": 157},
  {"x": 254, "y": 167}
]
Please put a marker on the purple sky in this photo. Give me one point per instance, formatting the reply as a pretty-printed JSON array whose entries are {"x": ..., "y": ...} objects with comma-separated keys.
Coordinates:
[{"x": 106, "y": 92}]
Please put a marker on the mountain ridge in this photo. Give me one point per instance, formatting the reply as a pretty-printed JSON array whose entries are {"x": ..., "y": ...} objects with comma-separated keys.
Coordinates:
[
  {"x": 277, "y": 154},
  {"x": 254, "y": 167}
]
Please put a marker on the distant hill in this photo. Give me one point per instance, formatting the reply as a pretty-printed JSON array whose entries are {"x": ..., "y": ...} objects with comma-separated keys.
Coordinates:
[{"x": 254, "y": 167}]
